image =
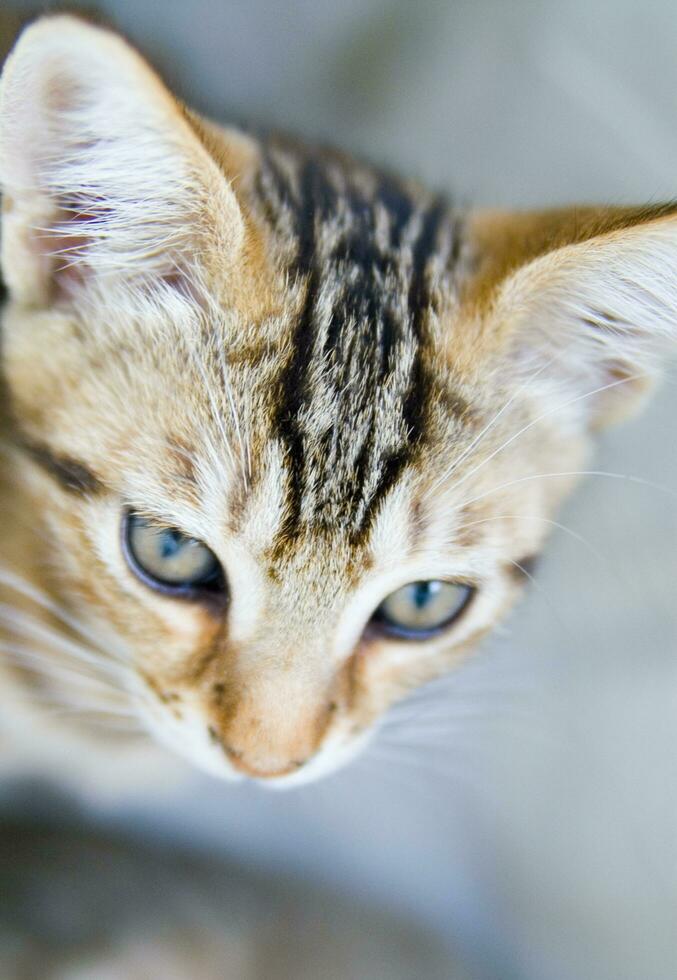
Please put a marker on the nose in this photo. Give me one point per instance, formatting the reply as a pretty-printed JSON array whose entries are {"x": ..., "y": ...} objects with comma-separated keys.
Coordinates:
[
  {"x": 257, "y": 768},
  {"x": 265, "y": 741}
]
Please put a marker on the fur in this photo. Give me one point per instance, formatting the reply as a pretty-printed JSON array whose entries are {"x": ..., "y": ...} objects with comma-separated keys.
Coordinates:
[{"x": 336, "y": 380}]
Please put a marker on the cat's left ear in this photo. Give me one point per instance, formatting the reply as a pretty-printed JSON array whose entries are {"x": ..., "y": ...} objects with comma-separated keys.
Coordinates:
[
  {"x": 103, "y": 175},
  {"x": 583, "y": 300}
]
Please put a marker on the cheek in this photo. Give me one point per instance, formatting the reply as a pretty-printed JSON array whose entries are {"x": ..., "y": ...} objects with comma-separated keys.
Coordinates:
[
  {"x": 388, "y": 672},
  {"x": 384, "y": 673}
]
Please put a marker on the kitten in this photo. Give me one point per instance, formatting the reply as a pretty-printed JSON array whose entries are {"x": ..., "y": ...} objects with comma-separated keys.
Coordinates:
[{"x": 284, "y": 434}]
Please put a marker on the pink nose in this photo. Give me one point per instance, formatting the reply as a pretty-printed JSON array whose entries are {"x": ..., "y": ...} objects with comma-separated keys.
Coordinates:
[
  {"x": 260, "y": 768},
  {"x": 266, "y": 743}
]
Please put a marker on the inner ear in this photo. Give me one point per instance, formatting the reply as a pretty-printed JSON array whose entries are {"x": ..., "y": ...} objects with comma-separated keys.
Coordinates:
[
  {"x": 65, "y": 242},
  {"x": 590, "y": 318},
  {"x": 501, "y": 242},
  {"x": 103, "y": 173}
]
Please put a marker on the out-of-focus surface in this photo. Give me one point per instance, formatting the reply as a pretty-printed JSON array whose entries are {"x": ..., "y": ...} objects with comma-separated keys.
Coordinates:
[
  {"x": 529, "y": 809},
  {"x": 78, "y": 906}
]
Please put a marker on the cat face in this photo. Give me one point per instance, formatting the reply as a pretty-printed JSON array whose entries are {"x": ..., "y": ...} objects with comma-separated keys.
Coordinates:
[{"x": 293, "y": 430}]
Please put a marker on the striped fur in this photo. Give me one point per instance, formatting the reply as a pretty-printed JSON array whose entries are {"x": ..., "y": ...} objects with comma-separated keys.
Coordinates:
[
  {"x": 372, "y": 254},
  {"x": 337, "y": 380}
]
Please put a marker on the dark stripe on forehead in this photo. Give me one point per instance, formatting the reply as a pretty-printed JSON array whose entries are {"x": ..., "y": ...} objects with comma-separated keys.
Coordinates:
[
  {"x": 293, "y": 380},
  {"x": 351, "y": 400},
  {"x": 424, "y": 249},
  {"x": 415, "y": 401},
  {"x": 399, "y": 206},
  {"x": 419, "y": 301}
]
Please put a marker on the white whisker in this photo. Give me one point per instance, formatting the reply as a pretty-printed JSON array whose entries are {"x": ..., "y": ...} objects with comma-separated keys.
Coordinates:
[
  {"x": 22, "y": 624},
  {"x": 625, "y": 477},
  {"x": 18, "y": 584},
  {"x": 43, "y": 664},
  {"x": 537, "y": 517},
  {"x": 126, "y": 718},
  {"x": 533, "y": 422},
  {"x": 490, "y": 424}
]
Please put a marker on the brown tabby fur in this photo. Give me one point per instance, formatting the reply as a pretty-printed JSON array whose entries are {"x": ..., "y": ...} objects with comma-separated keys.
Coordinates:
[{"x": 338, "y": 381}]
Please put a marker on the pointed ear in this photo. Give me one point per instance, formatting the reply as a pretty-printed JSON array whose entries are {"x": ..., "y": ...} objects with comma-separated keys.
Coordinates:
[
  {"x": 101, "y": 171},
  {"x": 584, "y": 300}
]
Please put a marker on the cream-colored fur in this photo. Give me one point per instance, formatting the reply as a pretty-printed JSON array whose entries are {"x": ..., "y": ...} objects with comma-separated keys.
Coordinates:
[{"x": 168, "y": 347}]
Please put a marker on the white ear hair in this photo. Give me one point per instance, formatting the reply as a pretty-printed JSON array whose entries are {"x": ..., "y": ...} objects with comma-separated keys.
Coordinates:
[
  {"x": 597, "y": 315},
  {"x": 101, "y": 170}
]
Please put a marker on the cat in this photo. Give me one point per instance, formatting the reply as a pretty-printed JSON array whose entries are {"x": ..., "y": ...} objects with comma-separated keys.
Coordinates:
[{"x": 283, "y": 434}]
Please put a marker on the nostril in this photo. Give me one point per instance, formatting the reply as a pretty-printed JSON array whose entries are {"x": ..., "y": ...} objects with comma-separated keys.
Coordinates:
[
  {"x": 216, "y": 739},
  {"x": 299, "y": 763}
]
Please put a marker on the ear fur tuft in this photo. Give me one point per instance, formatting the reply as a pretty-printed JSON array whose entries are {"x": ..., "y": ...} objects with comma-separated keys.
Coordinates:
[
  {"x": 102, "y": 173},
  {"x": 594, "y": 317}
]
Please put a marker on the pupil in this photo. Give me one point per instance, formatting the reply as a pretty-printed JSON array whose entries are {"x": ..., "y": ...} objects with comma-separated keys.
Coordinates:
[
  {"x": 423, "y": 593},
  {"x": 170, "y": 543}
]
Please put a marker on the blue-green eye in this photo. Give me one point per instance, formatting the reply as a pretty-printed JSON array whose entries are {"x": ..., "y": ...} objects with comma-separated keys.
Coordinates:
[
  {"x": 170, "y": 561},
  {"x": 421, "y": 609}
]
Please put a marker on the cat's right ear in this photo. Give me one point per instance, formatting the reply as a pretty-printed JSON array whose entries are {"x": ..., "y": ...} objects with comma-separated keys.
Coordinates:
[{"x": 103, "y": 176}]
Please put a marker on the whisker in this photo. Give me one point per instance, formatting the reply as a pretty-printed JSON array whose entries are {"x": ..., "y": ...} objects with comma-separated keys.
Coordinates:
[
  {"x": 97, "y": 709},
  {"x": 21, "y": 623},
  {"x": 97, "y": 718},
  {"x": 562, "y": 622},
  {"x": 537, "y": 517},
  {"x": 52, "y": 705},
  {"x": 424, "y": 769},
  {"x": 539, "y": 418},
  {"x": 625, "y": 477},
  {"x": 452, "y": 713},
  {"x": 443, "y": 701},
  {"x": 42, "y": 664},
  {"x": 478, "y": 438},
  {"x": 22, "y": 586}
]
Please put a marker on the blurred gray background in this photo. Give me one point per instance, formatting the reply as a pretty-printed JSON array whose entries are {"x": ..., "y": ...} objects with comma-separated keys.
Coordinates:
[{"x": 528, "y": 812}]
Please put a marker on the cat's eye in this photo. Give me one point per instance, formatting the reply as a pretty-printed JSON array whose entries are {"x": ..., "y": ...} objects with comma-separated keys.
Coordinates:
[
  {"x": 422, "y": 609},
  {"x": 169, "y": 560}
]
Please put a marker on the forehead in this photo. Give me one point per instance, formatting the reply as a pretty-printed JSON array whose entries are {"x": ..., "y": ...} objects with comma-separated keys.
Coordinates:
[{"x": 373, "y": 261}]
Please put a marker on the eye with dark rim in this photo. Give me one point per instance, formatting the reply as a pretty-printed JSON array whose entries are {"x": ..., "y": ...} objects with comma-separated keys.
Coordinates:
[
  {"x": 169, "y": 561},
  {"x": 420, "y": 610}
]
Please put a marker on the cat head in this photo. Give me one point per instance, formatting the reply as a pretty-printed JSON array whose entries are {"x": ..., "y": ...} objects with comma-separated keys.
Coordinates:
[{"x": 293, "y": 430}]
